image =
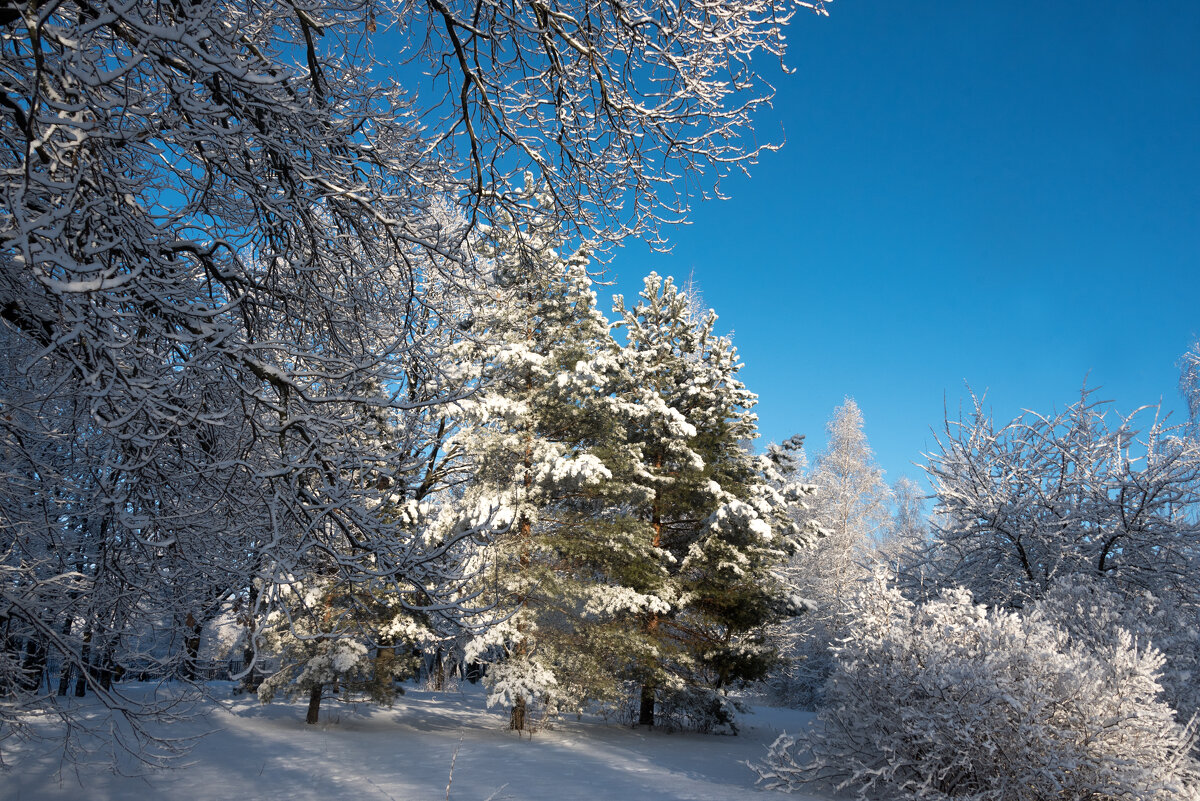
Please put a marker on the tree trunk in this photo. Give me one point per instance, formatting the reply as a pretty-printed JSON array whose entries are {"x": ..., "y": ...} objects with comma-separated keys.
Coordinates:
[
  {"x": 314, "y": 705},
  {"x": 64, "y": 676},
  {"x": 646, "y": 711},
  {"x": 250, "y": 680},
  {"x": 439, "y": 670},
  {"x": 108, "y": 670},
  {"x": 516, "y": 716},
  {"x": 84, "y": 655},
  {"x": 191, "y": 648},
  {"x": 33, "y": 666},
  {"x": 64, "y": 679},
  {"x": 646, "y": 708}
]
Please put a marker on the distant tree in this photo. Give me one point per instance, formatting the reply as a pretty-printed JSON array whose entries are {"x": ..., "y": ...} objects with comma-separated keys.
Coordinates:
[
  {"x": 850, "y": 505},
  {"x": 908, "y": 531},
  {"x": 852, "y": 498},
  {"x": 909, "y": 520},
  {"x": 1189, "y": 385}
]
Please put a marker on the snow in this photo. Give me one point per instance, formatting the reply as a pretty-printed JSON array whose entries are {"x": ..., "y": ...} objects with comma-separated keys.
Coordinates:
[{"x": 405, "y": 754}]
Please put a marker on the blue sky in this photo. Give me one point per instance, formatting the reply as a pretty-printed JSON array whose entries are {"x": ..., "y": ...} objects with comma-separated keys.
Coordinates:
[{"x": 997, "y": 194}]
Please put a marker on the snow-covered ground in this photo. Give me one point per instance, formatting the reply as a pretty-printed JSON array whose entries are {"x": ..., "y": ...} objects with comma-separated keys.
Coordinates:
[{"x": 406, "y": 753}]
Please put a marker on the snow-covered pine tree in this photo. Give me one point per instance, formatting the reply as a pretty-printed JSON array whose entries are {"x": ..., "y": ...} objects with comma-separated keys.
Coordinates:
[
  {"x": 315, "y": 620},
  {"x": 539, "y": 437},
  {"x": 356, "y": 638},
  {"x": 702, "y": 503},
  {"x": 359, "y": 637}
]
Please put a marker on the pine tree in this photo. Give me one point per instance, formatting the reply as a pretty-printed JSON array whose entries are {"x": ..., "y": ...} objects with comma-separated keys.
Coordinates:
[
  {"x": 355, "y": 638},
  {"x": 703, "y": 505},
  {"x": 539, "y": 439},
  {"x": 634, "y": 530}
]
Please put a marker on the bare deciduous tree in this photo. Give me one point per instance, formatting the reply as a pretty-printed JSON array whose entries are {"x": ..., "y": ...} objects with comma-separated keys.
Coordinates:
[{"x": 1023, "y": 504}]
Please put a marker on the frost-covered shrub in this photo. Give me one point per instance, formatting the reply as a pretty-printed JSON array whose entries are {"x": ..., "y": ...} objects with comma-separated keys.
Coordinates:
[
  {"x": 1093, "y": 613},
  {"x": 698, "y": 709},
  {"x": 949, "y": 699}
]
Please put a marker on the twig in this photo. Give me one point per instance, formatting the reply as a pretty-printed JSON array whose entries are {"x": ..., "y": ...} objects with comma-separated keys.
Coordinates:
[{"x": 453, "y": 759}]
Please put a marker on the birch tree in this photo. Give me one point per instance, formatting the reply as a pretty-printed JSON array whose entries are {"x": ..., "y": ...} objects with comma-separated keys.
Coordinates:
[{"x": 1189, "y": 385}]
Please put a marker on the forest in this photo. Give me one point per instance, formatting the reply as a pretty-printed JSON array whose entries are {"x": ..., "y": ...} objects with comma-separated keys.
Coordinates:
[{"x": 312, "y": 392}]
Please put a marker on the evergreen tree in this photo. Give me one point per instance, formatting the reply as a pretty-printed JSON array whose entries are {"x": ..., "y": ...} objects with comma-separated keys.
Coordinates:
[
  {"x": 714, "y": 523},
  {"x": 633, "y": 529},
  {"x": 354, "y": 638},
  {"x": 539, "y": 438}
]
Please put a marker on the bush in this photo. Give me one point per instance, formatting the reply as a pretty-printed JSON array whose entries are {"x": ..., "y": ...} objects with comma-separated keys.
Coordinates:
[
  {"x": 949, "y": 699},
  {"x": 1093, "y": 612}
]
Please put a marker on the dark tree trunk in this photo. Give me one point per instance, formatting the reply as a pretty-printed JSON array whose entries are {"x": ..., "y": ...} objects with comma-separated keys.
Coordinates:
[
  {"x": 64, "y": 676},
  {"x": 84, "y": 655},
  {"x": 516, "y": 716},
  {"x": 646, "y": 707},
  {"x": 33, "y": 666},
  {"x": 251, "y": 679},
  {"x": 314, "y": 705},
  {"x": 109, "y": 670},
  {"x": 191, "y": 649},
  {"x": 646, "y": 710},
  {"x": 439, "y": 670},
  {"x": 64, "y": 679}
]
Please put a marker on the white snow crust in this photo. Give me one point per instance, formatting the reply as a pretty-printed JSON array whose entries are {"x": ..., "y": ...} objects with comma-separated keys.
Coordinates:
[{"x": 405, "y": 754}]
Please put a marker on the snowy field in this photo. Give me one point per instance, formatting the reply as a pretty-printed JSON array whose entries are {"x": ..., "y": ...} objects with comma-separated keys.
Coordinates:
[{"x": 257, "y": 753}]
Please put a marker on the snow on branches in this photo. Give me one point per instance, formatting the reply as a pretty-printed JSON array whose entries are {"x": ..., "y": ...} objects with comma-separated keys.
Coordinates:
[
  {"x": 952, "y": 700},
  {"x": 1041, "y": 497}
]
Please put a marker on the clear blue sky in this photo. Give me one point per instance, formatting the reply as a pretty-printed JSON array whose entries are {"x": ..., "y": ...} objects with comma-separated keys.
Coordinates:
[{"x": 1005, "y": 195}]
